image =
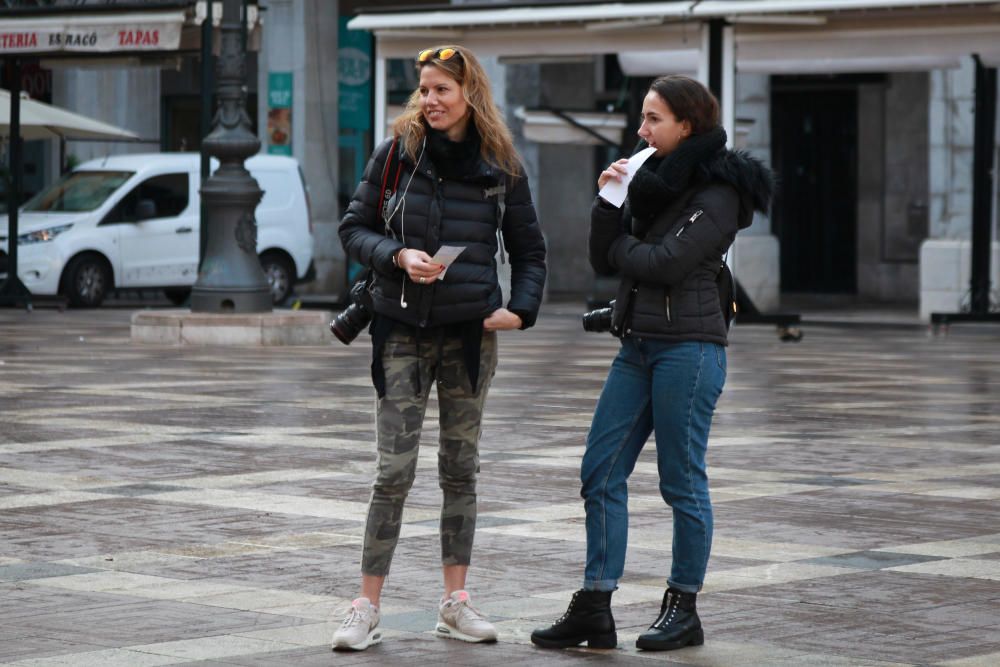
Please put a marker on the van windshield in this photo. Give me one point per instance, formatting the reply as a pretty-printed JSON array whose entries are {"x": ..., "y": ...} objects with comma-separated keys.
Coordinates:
[{"x": 78, "y": 192}]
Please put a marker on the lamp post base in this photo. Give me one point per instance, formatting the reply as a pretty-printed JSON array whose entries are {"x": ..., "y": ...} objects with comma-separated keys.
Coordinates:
[
  {"x": 230, "y": 300},
  {"x": 278, "y": 328},
  {"x": 14, "y": 293}
]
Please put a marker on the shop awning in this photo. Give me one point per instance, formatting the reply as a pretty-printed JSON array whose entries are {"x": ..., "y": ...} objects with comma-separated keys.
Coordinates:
[
  {"x": 778, "y": 36},
  {"x": 650, "y": 38},
  {"x": 733, "y": 10},
  {"x": 44, "y": 121},
  {"x": 94, "y": 33},
  {"x": 74, "y": 35}
]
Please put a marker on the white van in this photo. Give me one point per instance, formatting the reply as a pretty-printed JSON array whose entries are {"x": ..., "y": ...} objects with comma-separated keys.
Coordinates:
[{"x": 132, "y": 221}]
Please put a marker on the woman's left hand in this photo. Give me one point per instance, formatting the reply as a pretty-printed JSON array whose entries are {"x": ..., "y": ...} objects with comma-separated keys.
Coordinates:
[
  {"x": 615, "y": 171},
  {"x": 502, "y": 320}
]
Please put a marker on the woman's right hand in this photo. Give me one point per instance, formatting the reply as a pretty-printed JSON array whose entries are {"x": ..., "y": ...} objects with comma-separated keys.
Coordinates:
[
  {"x": 418, "y": 265},
  {"x": 615, "y": 170}
]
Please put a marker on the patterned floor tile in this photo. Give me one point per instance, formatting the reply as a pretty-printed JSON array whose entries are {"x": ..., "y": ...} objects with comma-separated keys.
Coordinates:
[
  {"x": 872, "y": 560},
  {"x": 197, "y": 506}
]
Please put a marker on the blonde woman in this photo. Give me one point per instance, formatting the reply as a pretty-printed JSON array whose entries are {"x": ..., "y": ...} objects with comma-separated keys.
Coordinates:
[{"x": 455, "y": 180}]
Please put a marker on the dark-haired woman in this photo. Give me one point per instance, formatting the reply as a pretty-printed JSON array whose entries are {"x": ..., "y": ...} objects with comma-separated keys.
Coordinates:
[
  {"x": 459, "y": 183},
  {"x": 684, "y": 208}
]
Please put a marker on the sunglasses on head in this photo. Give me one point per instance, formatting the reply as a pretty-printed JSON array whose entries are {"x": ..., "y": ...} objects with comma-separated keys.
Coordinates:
[{"x": 437, "y": 54}]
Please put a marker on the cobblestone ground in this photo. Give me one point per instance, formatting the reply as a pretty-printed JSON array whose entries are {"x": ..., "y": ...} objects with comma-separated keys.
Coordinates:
[{"x": 204, "y": 506}]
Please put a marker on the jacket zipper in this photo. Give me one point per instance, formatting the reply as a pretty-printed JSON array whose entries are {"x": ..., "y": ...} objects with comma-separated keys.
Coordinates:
[{"x": 694, "y": 216}]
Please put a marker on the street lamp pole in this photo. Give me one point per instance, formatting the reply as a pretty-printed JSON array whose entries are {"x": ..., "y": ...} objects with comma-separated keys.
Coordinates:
[
  {"x": 12, "y": 290},
  {"x": 230, "y": 279}
]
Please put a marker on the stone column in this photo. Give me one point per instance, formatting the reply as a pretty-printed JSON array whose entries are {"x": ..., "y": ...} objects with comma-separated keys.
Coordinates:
[
  {"x": 945, "y": 258},
  {"x": 300, "y": 36},
  {"x": 755, "y": 256}
]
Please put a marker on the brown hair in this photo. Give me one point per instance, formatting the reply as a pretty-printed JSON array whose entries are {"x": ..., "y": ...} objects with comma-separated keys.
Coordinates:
[
  {"x": 497, "y": 146},
  {"x": 688, "y": 100}
]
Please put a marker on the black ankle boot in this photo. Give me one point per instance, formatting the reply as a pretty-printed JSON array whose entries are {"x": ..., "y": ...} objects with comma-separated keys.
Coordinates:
[
  {"x": 677, "y": 626},
  {"x": 588, "y": 619}
]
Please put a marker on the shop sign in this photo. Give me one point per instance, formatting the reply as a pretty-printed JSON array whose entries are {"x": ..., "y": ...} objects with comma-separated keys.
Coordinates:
[{"x": 60, "y": 37}]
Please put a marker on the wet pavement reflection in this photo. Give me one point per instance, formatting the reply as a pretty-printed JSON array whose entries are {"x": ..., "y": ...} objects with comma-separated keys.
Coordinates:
[{"x": 169, "y": 505}]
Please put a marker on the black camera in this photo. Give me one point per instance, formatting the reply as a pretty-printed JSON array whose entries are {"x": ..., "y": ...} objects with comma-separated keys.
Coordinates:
[
  {"x": 599, "y": 320},
  {"x": 356, "y": 316}
]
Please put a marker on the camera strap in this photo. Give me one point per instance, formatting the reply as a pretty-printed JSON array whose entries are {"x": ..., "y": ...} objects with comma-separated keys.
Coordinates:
[
  {"x": 388, "y": 191},
  {"x": 726, "y": 283}
]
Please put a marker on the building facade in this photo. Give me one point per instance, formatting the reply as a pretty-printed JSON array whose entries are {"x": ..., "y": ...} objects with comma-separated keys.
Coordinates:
[{"x": 871, "y": 138}]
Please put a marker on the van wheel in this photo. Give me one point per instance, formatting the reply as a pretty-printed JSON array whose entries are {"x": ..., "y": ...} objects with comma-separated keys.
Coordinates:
[
  {"x": 177, "y": 295},
  {"x": 87, "y": 281},
  {"x": 280, "y": 276}
]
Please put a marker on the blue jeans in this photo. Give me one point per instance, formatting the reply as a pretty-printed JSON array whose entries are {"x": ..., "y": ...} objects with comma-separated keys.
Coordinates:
[{"x": 670, "y": 389}]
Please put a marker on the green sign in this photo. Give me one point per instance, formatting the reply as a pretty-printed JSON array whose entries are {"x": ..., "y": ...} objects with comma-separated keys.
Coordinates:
[
  {"x": 354, "y": 66},
  {"x": 279, "y": 113}
]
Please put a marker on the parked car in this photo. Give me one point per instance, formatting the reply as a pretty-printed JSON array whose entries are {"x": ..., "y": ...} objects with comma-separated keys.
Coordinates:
[{"x": 132, "y": 221}]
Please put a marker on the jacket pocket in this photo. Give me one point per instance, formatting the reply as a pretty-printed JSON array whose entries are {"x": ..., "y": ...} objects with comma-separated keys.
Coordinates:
[{"x": 667, "y": 306}]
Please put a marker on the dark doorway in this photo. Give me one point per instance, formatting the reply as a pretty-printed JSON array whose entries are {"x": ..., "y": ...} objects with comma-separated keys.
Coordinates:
[
  {"x": 181, "y": 121},
  {"x": 814, "y": 131}
]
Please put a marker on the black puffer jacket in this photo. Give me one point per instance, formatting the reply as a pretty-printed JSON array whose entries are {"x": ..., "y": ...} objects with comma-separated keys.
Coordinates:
[
  {"x": 446, "y": 211},
  {"x": 669, "y": 264}
]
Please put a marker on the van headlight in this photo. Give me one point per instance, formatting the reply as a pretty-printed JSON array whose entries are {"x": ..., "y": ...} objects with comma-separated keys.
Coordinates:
[{"x": 42, "y": 235}]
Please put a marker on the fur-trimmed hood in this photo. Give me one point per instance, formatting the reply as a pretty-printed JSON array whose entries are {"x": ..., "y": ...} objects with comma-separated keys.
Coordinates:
[
  {"x": 748, "y": 175},
  {"x": 698, "y": 161}
]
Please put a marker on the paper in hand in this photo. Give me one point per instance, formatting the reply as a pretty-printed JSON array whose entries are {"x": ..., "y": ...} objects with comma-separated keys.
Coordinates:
[
  {"x": 614, "y": 192},
  {"x": 447, "y": 254}
]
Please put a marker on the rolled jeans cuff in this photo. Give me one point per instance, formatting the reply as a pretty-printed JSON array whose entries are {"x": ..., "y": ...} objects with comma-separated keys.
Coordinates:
[
  {"x": 684, "y": 588},
  {"x": 602, "y": 585}
]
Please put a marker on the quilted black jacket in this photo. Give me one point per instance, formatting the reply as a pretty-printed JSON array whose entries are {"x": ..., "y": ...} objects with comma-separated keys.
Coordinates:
[
  {"x": 443, "y": 211},
  {"x": 668, "y": 271}
]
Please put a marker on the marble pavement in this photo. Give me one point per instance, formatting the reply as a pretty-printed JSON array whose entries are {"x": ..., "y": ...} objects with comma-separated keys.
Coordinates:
[{"x": 203, "y": 506}]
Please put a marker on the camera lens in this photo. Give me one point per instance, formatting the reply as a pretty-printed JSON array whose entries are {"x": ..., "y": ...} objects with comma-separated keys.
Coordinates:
[
  {"x": 347, "y": 326},
  {"x": 355, "y": 317}
]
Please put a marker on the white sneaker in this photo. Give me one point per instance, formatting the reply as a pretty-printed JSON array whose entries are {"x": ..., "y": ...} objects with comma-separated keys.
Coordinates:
[
  {"x": 458, "y": 619},
  {"x": 360, "y": 629}
]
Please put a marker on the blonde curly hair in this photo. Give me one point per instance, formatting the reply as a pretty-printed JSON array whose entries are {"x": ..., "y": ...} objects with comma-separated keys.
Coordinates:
[{"x": 497, "y": 146}]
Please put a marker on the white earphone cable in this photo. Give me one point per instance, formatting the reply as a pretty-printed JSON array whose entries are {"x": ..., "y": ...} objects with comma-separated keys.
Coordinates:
[{"x": 401, "y": 207}]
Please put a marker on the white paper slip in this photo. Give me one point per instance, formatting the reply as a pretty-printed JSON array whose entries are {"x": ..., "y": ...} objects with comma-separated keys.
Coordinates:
[
  {"x": 447, "y": 254},
  {"x": 616, "y": 191}
]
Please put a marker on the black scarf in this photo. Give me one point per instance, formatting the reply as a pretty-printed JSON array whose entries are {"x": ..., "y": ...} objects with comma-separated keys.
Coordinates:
[
  {"x": 454, "y": 160},
  {"x": 659, "y": 181}
]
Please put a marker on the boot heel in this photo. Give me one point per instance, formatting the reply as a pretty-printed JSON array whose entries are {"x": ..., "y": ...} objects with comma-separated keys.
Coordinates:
[
  {"x": 609, "y": 640},
  {"x": 698, "y": 639}
]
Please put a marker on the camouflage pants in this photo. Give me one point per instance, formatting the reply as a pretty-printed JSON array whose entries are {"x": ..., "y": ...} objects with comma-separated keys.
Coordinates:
[{"x": 410, "y": 371}]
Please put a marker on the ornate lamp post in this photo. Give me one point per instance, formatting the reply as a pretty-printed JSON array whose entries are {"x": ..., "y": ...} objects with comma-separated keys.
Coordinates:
[{"x": 230, "y": 279}]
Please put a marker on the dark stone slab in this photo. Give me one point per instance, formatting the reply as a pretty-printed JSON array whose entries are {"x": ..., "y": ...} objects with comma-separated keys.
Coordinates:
[
  {"x": 25, "y": 571},
  {"x": 871, "y": 560},
  {"x": 829, "y": 480},
  {"x": 482, "y": 521},
  {"x": 133, "y": 490}
]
